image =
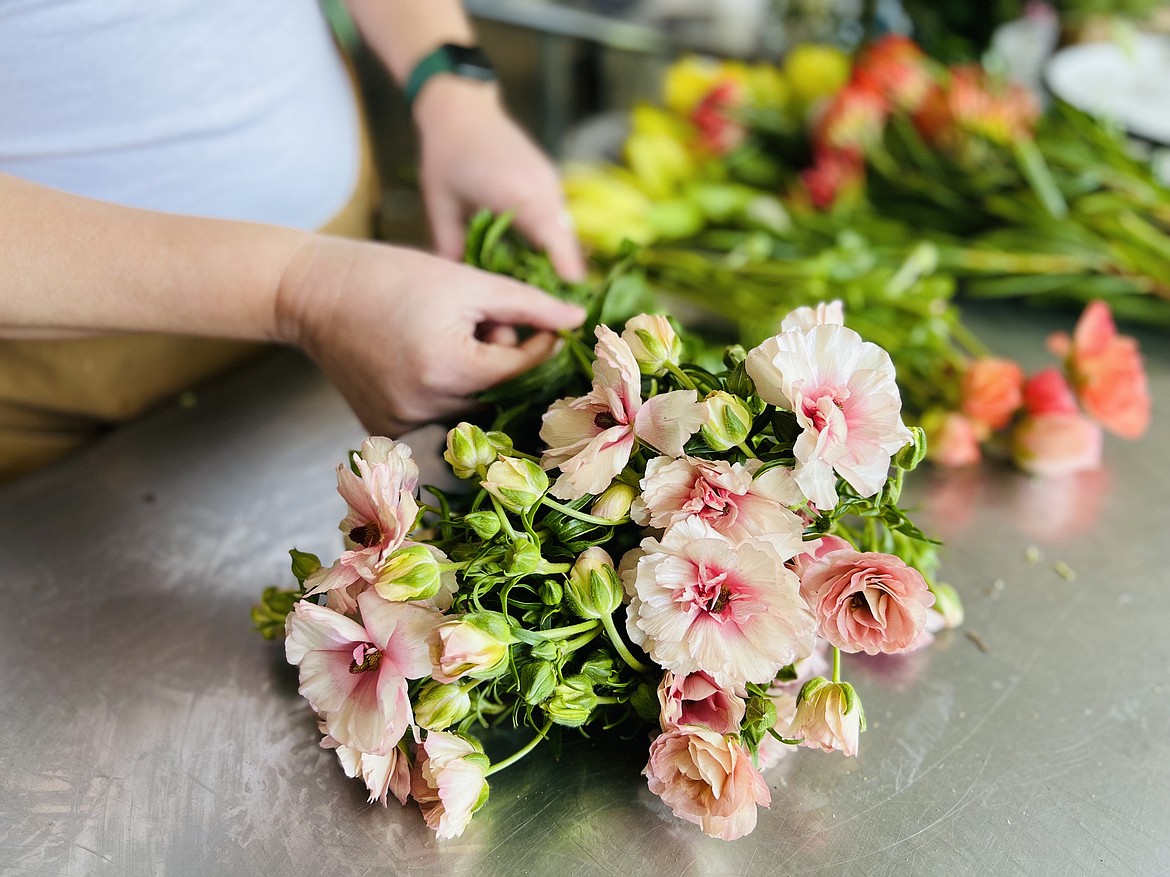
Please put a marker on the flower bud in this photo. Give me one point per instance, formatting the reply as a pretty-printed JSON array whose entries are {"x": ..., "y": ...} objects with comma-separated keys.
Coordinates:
[
  {"x": 913, "y": 453},
  {"x": 440, "y": 705},
  {"x": 644, "y": 700},
  {"x": 594, "y": 589},
  {"x": 653, "y": 342},
  {"x": 468, "y": 449},
  {"x": 551, "y": 592},
  {"x": 728, "y": 421},
  {"x": 613, "y": 503},
  {"x": 410, "y": 573},
  {"x": 517, "y": 483},
  {"x": 948, "y": 605},
  {"x": 303, "y": 564},
  {"x": 734, "y": 355},
  {"x": 523, "y": 557},
  {"x": 474, "y": 645},
  {"x": 546, "y": 650},
  {"x": 599, "y": 667},
  {"x": 485, "y": 524},
  {"x": 572, "y": 702},
  {"x": 538, "y": 679},
  {"x": 828, "y": 716},
  {"x": 739, "y": 382}
]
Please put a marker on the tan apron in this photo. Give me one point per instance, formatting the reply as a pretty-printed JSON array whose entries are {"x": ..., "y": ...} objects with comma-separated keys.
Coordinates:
[{"x": 56, "y": 396}]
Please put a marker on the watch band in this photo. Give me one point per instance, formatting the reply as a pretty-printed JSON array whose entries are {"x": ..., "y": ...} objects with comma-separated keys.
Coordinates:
[{"x": 468, "y": 62}]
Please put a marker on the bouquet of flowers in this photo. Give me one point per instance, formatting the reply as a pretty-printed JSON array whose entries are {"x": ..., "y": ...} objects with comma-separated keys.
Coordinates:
[{"x": 685, "y": 555}]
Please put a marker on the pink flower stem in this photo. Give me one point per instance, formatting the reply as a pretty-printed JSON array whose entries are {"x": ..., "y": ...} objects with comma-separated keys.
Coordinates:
[
  {"x": 615, "y": 638},
  {"x": 520, "y": 753}
]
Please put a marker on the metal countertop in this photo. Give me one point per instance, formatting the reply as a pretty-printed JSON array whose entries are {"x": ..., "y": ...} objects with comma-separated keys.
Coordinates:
[{"x": 148, "y": 730}]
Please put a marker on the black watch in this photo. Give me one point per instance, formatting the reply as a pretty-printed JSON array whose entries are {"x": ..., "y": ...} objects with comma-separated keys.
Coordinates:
[{"x": 469, "y": 62}]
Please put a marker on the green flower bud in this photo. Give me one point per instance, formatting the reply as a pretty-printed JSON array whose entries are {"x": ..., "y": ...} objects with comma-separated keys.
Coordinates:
[
  {"x": 517, "y": 483},
  {"x": 546, "y": 650},
  {"x": 734, "y": 355},
  {"x": 613, "y": 503},
  {"x": 653, "y": 342},
  {"x": 523, "y": 557},
  {"x": 485, "y": 524},
  {"x": 440, "y": 705},
  {"x": 948, "y": 605},
  {"x": 594, "y": 589},
  {"x": 538, "y": 679},
  {"x": 740, "y": 383},
  {"x": 645, "y": 701},
  {"x": 599, "y": 667},
  {"x": 468, "y": 450},
  {"x": 551, "y": 592},
  {"x": 473, "y": 645},
  {"x": 303, "y": 564},
  {"x": 913, "y": 453},
  {"x": 728, "y": 421},
  {"x": 572, "y": 702},
  {"x": 410, "y": 573}
]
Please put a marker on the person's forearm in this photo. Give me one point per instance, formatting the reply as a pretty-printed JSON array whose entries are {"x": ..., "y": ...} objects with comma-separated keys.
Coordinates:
[
  {"x": 401, "y": 32},
  {"x": 70, "y": 264}
]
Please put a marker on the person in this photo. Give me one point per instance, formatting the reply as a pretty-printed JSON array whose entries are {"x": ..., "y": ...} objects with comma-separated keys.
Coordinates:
[{"x": 166, "y": 171}]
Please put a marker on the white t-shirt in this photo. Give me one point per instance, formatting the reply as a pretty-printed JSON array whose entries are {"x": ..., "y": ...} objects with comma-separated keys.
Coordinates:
[{"x": 237, "y": 109}]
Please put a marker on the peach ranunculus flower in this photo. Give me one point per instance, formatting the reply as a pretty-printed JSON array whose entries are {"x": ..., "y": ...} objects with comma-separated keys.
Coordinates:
[
  {"x": 382, "y": 511},
  {"x": 828, "y": 716},
  {"x": 842, "y": 390},
  {"x": 992, "y": 391},
  {"x": 1107, "y": 372},
  {"x": 449, "y": 781},
  {"x": 707, "y": 778},
  {"x": 814, "y": 551},
  {"x": 384, "y": 775},
  {"x": 866, "y": 602},
  {"x": 696, "y": 699},
  {"x": 952, "y": 440},
  {"x": 1057, "y": 444},
  {"x": 590, "y": 438},
  {"x": 355, "y": 675},
  {"x": 702, "y": 603},
  {"x": 1047, "y": 392},
  {"x": 731, "y": 497}
]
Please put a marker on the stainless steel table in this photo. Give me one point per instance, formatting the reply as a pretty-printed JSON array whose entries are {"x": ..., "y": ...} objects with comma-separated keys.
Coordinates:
[{"x": 147, "y": 730}]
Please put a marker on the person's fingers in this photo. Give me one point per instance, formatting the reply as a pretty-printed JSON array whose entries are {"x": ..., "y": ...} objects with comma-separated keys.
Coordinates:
[
  {"x": 547, "y": 225},
  {"x": 446, "y": 217},
  {"x": 493, "y": 363},
  {"x": 494, "y": 333},
  {"x": 510, "y": 302}
]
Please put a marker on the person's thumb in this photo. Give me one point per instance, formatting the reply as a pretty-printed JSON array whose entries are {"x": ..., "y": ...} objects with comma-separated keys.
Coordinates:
[
  {"x": 499, "y": 362},
  {"x": 513, "y": 303}
]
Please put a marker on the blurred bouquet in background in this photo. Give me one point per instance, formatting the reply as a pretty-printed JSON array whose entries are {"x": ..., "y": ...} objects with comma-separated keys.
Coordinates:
[
  {"x": 675, "y": 553},
  {"x": 890, "y": 182}
]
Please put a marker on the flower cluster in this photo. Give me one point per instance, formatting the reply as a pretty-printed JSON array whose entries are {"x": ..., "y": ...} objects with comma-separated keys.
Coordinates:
[
  {"x": 1053, "y": 419},
  {"x": 687, "y": 554}
]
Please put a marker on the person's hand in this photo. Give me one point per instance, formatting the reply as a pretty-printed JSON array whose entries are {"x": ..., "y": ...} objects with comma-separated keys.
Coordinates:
[
  {"x": 475, "y": 156},
  {"x": 409, "y": 338}
]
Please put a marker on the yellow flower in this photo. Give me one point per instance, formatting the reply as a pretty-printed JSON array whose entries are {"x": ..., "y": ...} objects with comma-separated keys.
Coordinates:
[
  {"x": 689, "y": 80},
  {"x": 607, "y": 207},
  {"x": 660, "y": 162},
  {"x": 814, "y": 72},
  {"x": 767, "y": 86}
]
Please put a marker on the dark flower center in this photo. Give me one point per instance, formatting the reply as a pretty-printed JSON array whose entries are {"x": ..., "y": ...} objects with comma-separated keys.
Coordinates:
[
  {"x": 367, "y": 535},
  {"x": 605, "y": 420},
  {"x": 370, "y": 659}
]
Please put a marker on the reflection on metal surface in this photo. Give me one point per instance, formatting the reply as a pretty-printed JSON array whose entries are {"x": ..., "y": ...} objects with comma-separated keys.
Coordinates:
[{"x": 147, "y": 730}]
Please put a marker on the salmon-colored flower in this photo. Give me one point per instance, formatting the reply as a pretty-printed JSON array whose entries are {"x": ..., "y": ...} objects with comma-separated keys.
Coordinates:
[
  {"x": 814, "y": 551},
  {"x": 730, "y": 497},
  {"x": 843, "y": 393},
  {"x": 835, "y": 176},
  {"x": 866, "y": 602},
  {"x": 449, "y": 781},
  {"x": 853, "y": 121},
  {"x": 1057, "y": 444},
  {"x": 701, "y": 603},
  {"x": 714, "y": 119},
  {"x": 992, "y": 391},
  {"x": 696, "y": 699},
  {"x": 707, "y": 778},
  {"x": 894, "y": 66},
  {"x": 970, "y": 102},
  {"x": 1047, "y": 392},
  {"x": 952, "y": 440},
  {"x": 590, "y": 438},
  {"x": 354, "y": 675},
  {"x": 1106, "y": 371}
]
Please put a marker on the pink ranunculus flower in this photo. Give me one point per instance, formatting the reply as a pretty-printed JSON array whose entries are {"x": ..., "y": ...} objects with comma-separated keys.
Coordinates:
[
  {"x": 842, "y": 391},
  {"x": 1057, "y": 444},
  {"x": 449, "y": 781},
  {"x": 952, "y": 439},
  {"x": 1047, "y": 392},
  {"x": 354, "y": 675},
  {"x": 828, "y": 717},
  {"x": 384, "y": 775},
  {"x": 731, "y": 497},
  {"x": 707, "y": 778},
  {"x": 814, "y": 551},
  {"x": 696, "y": 699},
  {"x": 702, "y": 603},
  {"x": 382, "y": 511},
  {"x": 804, "y": 319},
  {"x": 866, "y": 602},
  {"x": 992, "y": 391},
  {"x": 590, "y": 438},
  {"x": 1107, "y": 372}
]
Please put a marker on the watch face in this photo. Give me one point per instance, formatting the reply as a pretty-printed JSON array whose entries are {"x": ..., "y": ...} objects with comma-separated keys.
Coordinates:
[{"x": 470, "y": 62}]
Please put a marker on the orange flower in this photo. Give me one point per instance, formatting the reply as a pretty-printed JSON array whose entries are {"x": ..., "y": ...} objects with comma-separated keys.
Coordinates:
[
  {"x": 992, "y": 391},
  {"x": 971, "y": 102},
  {"x": 895, "y": 67},
  {"x": 854, "y": 120}
]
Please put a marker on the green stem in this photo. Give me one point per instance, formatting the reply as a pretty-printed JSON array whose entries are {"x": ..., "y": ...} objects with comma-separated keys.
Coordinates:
[
  {"x": 836, "y": 664},
  {"x": 746, "y": 448},
  {"x": 566, "y": 632},
  {"x": 582, "y": 516},
  {"x": 503, "y": 516},
  {"x": 453, "y": 565},
  {"x": 681, "y": 376},
  {"x": 520, "y": 753},
  {"x": 582, "y": 640},
  {"x": 605, "y": 700},
  {"x": 611, "y": 631}
]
